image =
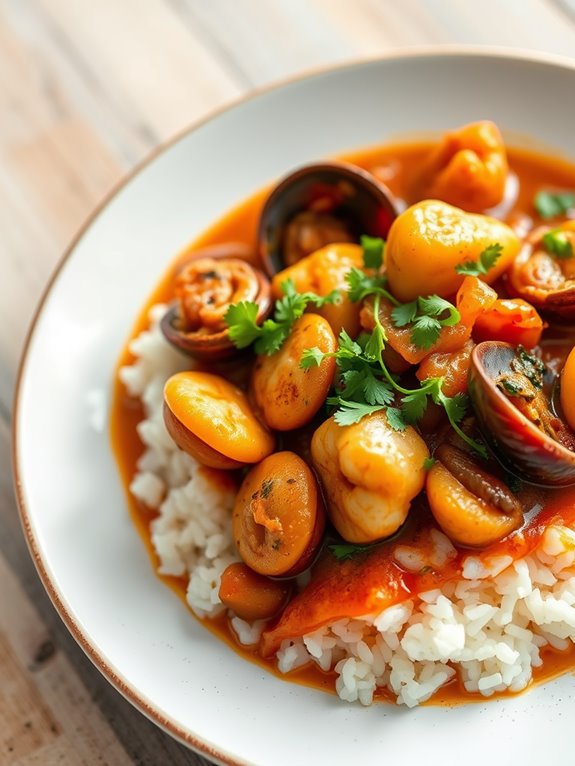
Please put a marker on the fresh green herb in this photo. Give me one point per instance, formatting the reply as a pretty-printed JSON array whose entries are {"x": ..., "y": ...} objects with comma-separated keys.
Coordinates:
[
  {"x": 350, "y": 412},
  {"x": 415, "y": 402},
  {"x": 342, "y": 552},
  {"x": 550, "y": 205},
  {"x": 515, "y": 386},
  {"x": 529, "y": 365},
  {"x": 360, "y": 285},
  {"x": 373, "y": 248},
  {"x": 487, "y": 259},
  {"x": 395, "y": 419},
  {"x": 269, "y": 337},
  {"x": 365, "y": 385},
  {"x": 428, "y": 463},
  {"x": 426, "y": 316},
  {"x": 557, "y": 244}
]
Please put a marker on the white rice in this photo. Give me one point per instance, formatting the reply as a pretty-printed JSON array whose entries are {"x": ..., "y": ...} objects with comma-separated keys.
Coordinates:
[{"x": 489, "y": 627}]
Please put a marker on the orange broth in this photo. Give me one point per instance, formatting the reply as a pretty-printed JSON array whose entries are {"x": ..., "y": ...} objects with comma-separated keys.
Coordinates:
[{"x": 394, "y": 165}]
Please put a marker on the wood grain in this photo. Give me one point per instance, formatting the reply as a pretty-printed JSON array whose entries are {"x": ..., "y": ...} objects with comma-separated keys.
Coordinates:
[{"x": 86, "y": 91}]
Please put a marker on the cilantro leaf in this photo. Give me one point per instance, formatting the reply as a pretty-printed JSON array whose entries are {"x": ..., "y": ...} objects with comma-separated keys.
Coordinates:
[
  {"x": 376, "y": 391},
  {"x": 311, "y": 357},
  {"x": 487, "y": 259},
  {"x": 414, "y": 405},
  {"x": 404, "y": 314},
  {"x": 426, "y": 315},
  {"x": 347, "y": 344},
  {"x": 271, "y": 337},
  {"x": 360, "y": 285},
  {"x": 455, "y": 407},
  {"x": 428, "y": 463},
  {"x": 351, "y": 412},
  {"x": 342, "y": 552},
  {"x": 557, "y": 244},
  {"x": 241, "y": 319},
  {"x": 551, "y": 205},
  {"x": 375, "y": 343},
  {"x": 352, "y": 381},
  {"x": 425, "y": 331},
  {"x": 395, "y": 419},
  {"x": 434, "y": 306},
  {"x": 372, "y": 251}
]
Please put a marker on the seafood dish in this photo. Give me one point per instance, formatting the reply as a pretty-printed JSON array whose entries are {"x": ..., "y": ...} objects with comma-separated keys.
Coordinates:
[{"x": 345, "y": 422}]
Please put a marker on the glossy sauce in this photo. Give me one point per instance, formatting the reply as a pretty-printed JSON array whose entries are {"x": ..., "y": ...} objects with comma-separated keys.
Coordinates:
[{"x": 393, "y": 165}]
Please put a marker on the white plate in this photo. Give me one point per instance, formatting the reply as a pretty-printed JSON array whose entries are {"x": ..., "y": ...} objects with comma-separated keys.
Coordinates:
[{"x": 89, "y": 556}]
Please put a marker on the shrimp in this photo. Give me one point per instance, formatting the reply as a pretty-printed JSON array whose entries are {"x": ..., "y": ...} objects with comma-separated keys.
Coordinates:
[{"x": 370, "y": 473}]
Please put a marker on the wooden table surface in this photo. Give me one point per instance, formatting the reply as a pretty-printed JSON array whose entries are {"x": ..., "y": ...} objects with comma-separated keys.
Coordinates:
[{"x": 87, "y": 89}]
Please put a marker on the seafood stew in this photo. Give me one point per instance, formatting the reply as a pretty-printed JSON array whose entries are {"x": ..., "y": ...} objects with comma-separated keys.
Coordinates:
[{"x": 377, "y": 395}]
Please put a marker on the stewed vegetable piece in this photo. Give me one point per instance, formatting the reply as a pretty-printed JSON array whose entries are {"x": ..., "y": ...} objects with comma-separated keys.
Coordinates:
[
  {"x": 430, "y": 239},
  {"x": 287, "y": 395},
  {"x": 279, "y": 516},
  {"x": 250, "y": 595},
  {"x": 471, "y": 506},
  {"x": 212, "y": 420},
  {"x": 321, "y": 272},
  {"x": 468, "y": 168}
]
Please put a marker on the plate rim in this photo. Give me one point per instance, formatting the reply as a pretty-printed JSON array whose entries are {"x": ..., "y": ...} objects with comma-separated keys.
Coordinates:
[{"x": 111, "y": 674}]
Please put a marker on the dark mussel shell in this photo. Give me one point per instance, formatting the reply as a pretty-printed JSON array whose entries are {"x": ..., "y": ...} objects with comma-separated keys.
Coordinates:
[
  {"x": 517, "y": 443},
  {"x": 214, "y": 346},
  {"x": 538, "y": 278},
  {"x": 350, "y": 194}
]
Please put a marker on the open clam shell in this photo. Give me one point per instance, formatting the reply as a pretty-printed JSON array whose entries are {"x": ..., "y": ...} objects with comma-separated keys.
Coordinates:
[
  {"x": 522, "y": 447},
  {"x": 353, "y": 199}
]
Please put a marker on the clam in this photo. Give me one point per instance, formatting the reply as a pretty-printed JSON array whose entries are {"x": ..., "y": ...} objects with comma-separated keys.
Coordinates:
[
  {"x": 206, "y": 285},
  {"x": 508, "y": 390},
  {"x": 317, "y": 205},
  {"x": 544, "y": 278}
]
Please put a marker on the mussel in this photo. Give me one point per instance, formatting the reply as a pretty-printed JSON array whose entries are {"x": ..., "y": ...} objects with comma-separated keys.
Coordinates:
[
  {"x": 207, "y": 284},
  {"x": 509, "y": 392},
  {"x": 545, "y": 278},
  {"x": 317, "y": 205}
]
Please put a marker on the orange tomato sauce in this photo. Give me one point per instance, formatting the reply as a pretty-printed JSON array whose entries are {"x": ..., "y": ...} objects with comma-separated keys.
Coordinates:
[{"x": 394, "y": 165}]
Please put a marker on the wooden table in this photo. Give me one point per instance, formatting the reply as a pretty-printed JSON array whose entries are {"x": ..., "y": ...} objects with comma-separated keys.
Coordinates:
[{"x": 86, "y": 91}]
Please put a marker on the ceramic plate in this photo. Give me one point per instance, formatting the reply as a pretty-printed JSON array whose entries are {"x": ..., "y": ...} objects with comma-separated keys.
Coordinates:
[{"x": 90, "y": 557}]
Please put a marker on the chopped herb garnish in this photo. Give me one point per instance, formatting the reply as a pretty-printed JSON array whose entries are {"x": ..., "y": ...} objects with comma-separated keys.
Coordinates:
[
  {"x": 350, "y": 412},
  {"x": 344, "y": 551},
  {"x": 557, "y": 244},
  {"x": 515, "y": 387},
  {"x": 361, "y": 285},
  {"x": 426, "y": 316},
  {"x": 373, "y": 248},
  {"x": 269, "y": 337},
  {"x": 530, "y": 366},
  {"x": 365, "y": 385},
  {"x": 550, "y": 205},
  {"x": 487, "y": 259},
  {"x": 428, "y": 463}
]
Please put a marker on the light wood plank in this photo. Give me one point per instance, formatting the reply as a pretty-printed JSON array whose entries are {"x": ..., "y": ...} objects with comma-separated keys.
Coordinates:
[{"x": 43, "y": 698}]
